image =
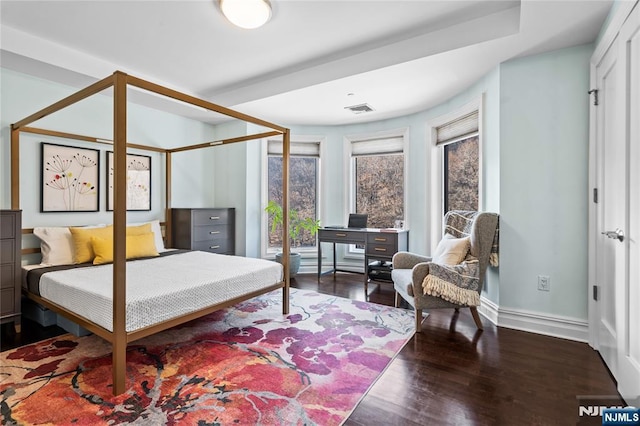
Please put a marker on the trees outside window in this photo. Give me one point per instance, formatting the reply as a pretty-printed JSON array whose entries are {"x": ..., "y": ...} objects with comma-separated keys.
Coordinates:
[
  {"x": 379, "y": 189},
  {"x": 461, "y": 175},
  {"x": 303, "y": 188}
]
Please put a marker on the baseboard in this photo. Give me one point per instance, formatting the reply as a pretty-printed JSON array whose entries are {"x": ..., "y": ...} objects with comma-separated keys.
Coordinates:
[
  {"x": 535, "y": 322},
  {"x": 489, "y": 310}
]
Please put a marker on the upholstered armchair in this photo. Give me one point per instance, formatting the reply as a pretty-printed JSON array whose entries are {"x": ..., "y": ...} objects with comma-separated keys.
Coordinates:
[{"x": 454, "y": 275}]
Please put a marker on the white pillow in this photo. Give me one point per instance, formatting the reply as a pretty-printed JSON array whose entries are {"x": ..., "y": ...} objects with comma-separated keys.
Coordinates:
[
  {"x": 157, "y": 233},
  {"x": 56, "y": 245},
  {"x": 451, "y": 251}
]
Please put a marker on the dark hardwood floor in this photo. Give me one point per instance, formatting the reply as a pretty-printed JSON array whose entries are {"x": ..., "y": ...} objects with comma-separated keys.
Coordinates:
[{"x": 453, "y": 374}]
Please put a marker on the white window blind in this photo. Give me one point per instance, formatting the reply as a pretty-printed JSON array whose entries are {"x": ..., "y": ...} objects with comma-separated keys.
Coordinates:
[
  {"x": 377, "y": 146},
  {"x": 460, "y": 128},
  {"x": 296, "y": 149}
]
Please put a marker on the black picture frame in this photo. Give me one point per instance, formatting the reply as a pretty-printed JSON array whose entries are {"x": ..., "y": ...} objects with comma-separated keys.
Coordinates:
[
  {"x": 138, "y": 182},
  {"x": 69, "y": 179}
]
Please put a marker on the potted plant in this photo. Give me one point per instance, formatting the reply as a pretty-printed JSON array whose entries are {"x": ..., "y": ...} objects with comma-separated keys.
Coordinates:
[{"x": 296, "y": 225}]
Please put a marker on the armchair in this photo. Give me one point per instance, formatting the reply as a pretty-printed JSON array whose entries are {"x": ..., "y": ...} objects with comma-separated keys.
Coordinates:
[{"x": 428, "y": 283}]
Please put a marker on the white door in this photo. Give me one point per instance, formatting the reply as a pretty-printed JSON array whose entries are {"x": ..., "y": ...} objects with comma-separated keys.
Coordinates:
[
  {"x": 628, "y": 298},
  {"x": 618, "y": 210},
  {"x": 611, "y": 199}
]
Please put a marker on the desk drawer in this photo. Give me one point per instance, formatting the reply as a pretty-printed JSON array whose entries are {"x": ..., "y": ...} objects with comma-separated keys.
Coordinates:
[
  {"x": 342, "y": 235},
  {"x": 381, "y": 250},
  {"x": 382, "y": 238}
]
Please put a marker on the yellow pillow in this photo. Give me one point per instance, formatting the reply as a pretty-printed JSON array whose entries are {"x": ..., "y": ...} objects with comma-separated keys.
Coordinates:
[
  {"x": 143, "y": 245},
  {"x": 82, "y": 250},
  {"x": 139, "y": 230}
]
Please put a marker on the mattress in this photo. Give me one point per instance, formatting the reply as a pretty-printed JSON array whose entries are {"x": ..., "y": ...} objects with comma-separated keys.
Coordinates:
[{"x": 159, "y": 289}]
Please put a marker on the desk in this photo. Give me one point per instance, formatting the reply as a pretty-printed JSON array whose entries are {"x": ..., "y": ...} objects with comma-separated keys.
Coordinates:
[{"x": 378, "y": 245}]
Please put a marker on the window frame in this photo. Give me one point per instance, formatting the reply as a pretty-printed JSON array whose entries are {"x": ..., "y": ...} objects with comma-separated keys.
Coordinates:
[
  {"x": 306, "y": 252},
  {"x": 436, "y": 201}
]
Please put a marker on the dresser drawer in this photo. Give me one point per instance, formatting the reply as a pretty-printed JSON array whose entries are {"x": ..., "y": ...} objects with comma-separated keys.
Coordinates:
[
  {"x": 210, "y": 233},
  {"x": 7, "y": 251},
  {"x": 7, "y": 276},
  {"x": 220, "y": 247},
  {"x": 7, "y": 301},
  {"x": 210, "y": 217},
  {"x": 8, "y": 226}
]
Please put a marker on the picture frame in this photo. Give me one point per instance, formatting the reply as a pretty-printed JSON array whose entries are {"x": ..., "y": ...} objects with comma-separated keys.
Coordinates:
[
  {"x": 138, "y": 182},
  {"x": 70, "y": 179}
]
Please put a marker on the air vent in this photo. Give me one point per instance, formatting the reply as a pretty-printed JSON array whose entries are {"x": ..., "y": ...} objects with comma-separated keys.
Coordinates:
[{"x": 360, "y": 109}]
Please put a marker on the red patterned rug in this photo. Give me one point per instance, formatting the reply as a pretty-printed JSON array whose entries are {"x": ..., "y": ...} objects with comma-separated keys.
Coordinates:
[{"x": 244, "y": 365}]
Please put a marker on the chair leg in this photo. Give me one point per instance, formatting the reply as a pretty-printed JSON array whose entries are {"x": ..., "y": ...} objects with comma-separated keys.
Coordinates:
[
  {"x": 397, "y": 302},
  {"x": 418, "y": 320},
  {"x": 476, "y": 317}
]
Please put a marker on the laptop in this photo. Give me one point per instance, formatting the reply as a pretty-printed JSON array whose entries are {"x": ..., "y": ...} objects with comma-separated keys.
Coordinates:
[{"x": 357, "y": 221}]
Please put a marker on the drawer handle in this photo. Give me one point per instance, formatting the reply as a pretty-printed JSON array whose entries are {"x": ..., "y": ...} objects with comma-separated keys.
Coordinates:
[
  {"x": 379, "y": 249},
  {"x": 214, "y": 247},
  {"x": 341, "y": 235},
  {"x": 214, "y": 218},
  {"x": 380, "y": 239},
  {"x": 214, "y": 232}
]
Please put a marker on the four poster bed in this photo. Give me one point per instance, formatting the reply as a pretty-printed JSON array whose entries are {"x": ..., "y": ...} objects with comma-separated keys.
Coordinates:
[{"x": 189, "y": 284}]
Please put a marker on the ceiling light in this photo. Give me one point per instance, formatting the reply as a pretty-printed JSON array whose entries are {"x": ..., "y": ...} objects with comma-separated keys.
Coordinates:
[{"x": 247, "y": 14}]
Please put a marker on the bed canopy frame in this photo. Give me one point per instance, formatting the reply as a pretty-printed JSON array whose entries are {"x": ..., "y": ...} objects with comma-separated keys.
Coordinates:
[{"x": 119, "y": 81}]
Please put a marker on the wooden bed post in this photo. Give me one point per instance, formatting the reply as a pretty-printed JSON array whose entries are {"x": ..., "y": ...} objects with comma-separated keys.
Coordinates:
[
  {"x": 167, "y": 204},
  {"x": 15, "y": 168},
  {"x": 286, "y": 243},
  {"x": 119, "y": 355}
]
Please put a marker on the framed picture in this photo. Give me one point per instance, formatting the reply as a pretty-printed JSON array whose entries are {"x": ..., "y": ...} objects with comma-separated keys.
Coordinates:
[
  {"x": 70, "y": 179},
  {"x": 138, "y": 182}
]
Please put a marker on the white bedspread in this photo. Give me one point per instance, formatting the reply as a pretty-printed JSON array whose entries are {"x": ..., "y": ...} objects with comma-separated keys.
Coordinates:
[{"x": 159, "y": 289}]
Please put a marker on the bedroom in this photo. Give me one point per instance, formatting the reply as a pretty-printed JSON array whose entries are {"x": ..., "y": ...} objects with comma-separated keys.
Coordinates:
[{"x": 529, "y": 83}]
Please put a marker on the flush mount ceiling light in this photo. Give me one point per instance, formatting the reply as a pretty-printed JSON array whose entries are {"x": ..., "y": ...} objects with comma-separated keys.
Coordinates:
[{"x": 248, "y": 14}]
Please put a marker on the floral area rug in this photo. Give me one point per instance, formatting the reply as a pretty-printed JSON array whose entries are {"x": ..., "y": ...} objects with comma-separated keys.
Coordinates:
[{"x": 248, "y": 364}]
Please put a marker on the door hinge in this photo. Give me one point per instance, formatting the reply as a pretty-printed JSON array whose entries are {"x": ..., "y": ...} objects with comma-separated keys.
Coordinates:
[
  {"x": 595, "y": 292},
  {"x": 595, "y": 95},
  {"x": 595, "y": 195}
]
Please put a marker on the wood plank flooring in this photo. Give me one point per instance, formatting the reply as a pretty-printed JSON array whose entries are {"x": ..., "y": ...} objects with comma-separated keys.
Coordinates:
[{"x": 453, "y": 374}]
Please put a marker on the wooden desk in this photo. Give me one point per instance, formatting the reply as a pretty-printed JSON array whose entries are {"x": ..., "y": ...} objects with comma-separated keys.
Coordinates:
[{"x": 378, "y": 245}]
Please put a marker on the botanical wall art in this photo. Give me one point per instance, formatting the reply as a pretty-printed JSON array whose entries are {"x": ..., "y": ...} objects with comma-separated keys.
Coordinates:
[
  {"x": 70, "y": 179},
  {"x": 138, "y": 182}
]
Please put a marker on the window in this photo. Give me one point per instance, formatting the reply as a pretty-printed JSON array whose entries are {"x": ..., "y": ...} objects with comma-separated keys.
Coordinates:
[
  {"x": 461, "y": 165},
  {"x": 378, "y": 177},
  {"x": 303, "y": 186}
]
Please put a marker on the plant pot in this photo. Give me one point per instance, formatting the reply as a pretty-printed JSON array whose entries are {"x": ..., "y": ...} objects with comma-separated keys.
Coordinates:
[{"x": 294, "y": 263}]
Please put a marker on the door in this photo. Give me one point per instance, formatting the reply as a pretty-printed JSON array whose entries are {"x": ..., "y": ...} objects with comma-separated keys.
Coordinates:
[
  {"x": 618, "y": 211},
  {"x": 628, "y": 298},
  {"x": 610, "y": 213}
]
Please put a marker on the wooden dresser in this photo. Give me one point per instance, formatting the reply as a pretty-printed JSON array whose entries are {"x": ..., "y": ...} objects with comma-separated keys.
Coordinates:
[
  {"x": 211, "y": 230},
  {"x": 10, "y": 269}
]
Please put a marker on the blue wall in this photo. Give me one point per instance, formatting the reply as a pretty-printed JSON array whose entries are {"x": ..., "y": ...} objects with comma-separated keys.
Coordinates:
[{"x": 534, "y": 170}]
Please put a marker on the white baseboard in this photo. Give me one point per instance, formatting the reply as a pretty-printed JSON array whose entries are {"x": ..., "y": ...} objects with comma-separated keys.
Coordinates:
[{"x": 535, "y": 322}]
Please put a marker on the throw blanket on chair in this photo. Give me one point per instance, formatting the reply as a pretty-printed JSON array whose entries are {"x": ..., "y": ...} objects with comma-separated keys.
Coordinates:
[
  {"x": 454, "y": 283},
  {"x": 460, "y": 226}
]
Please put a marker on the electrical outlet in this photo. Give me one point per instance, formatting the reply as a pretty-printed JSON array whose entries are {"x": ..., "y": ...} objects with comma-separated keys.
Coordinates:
[{"x": 543, "y": 283}]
